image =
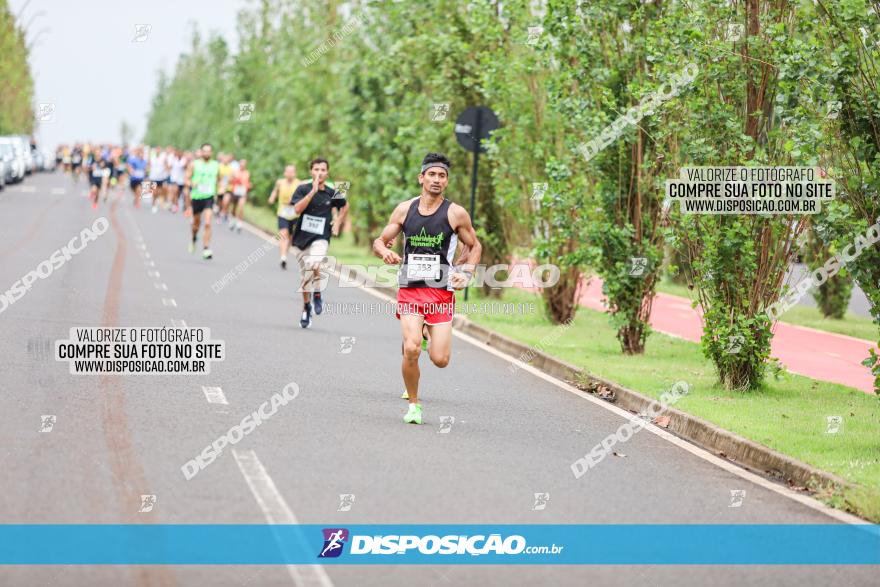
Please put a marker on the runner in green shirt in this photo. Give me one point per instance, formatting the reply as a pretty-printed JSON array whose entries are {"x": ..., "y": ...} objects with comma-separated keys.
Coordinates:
[{"x": 202, "y": 177}]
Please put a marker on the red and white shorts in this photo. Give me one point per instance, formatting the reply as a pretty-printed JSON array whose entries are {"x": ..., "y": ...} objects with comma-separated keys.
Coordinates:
[{"x": 436, "y": 305}]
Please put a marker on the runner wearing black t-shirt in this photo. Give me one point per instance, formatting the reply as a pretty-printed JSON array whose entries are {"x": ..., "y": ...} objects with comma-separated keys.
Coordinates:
[
  {"x": 314, "y": 202},
  {"x": 98, "y": 170},
  {"x": 432, "y": 227}
]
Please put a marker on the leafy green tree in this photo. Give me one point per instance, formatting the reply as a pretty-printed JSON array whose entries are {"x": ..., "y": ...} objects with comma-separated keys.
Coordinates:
[
  {"x": 832, "y": 297},
  {"x": 849, "y": 32},
  {"x": 749, "y": 109},
  {"x": 17, "y": 97},
  {"x": 611, "y": 58}
]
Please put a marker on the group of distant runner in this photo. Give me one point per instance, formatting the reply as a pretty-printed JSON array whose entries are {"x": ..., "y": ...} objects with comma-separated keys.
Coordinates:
[
  {"x": 158, "y": 173},
  {"x": 309, "y": 214}
]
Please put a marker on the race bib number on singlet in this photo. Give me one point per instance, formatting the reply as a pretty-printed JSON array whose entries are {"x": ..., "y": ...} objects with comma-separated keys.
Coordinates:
[
  {"x": 204, "y": 188},
  {"x": 240, "y": 190},
  {"x": 423, "y": 267},
  {"x": 106, "y": 172},
  {"x": 288, "y": 212},
  {"x": 313, "y": 224}
]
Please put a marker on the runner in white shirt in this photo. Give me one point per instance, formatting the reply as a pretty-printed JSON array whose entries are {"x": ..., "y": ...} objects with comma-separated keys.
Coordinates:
[
  {"x": 159, "y": 171},
  {"x": 177, "y": 177}
]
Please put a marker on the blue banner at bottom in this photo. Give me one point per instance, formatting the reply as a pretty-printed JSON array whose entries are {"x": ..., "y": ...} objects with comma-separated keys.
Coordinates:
[{"x": 678, "y": 544}]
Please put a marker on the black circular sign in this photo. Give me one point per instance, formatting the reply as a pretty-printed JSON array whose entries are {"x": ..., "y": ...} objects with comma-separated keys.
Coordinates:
[{"x": 474, "y": 125}]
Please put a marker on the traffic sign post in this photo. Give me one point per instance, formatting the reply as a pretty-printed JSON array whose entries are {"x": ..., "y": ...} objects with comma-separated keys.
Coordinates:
[{"x": 474, "y": 125}]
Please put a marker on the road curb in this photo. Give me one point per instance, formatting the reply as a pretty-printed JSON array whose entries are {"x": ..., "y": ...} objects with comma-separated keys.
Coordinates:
[{"x": 720, "y": 442}]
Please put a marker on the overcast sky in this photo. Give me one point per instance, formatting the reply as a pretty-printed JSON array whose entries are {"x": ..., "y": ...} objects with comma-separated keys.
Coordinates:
[{"x": 84, "y": 58}]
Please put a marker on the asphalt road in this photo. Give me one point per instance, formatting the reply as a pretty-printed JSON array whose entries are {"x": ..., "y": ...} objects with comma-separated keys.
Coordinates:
[{"x": 116, "y": 438}]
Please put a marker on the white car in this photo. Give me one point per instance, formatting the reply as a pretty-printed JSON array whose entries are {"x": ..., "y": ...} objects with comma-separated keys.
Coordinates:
[
  {"x": 13, "y": 156},
  {"x": 29, "y": 161},
  {"x": 48, "y": 160}
]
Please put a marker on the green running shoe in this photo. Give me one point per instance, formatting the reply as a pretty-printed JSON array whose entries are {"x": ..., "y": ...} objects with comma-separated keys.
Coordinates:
[{"x": 414, "y": 415}]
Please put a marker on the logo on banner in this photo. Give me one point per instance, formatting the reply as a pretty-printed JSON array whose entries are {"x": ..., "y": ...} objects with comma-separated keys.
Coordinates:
[{"x": 334, "y": 540}]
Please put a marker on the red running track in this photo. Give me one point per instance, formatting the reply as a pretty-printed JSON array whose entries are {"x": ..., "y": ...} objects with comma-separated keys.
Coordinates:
[
  {"x": 821, "y": 355},
  {"x": 806, "y": 351}
]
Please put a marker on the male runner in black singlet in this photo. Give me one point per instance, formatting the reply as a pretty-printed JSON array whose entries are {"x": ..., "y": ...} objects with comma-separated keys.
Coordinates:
[{"x": 432, "y": 226}]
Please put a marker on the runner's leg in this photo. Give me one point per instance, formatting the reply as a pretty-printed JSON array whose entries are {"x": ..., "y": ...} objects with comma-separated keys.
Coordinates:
[
  {"x": 239, "y": 211},
  {"x": 411, "y": 328},
  {"x": 206, "y": 238},
  {"x": 284, "y": 244},
  {"x": 440, "y": 347},
  {"x": 196, "y": 223}
]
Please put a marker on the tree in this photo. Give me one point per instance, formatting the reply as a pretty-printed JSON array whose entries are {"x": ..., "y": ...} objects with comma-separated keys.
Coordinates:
[
  {"x": 17, "y": 98},
  {"x": 850, "y": 33},
  {"x": 612, "y": 59},
  {"x": 748, "y": 110}
]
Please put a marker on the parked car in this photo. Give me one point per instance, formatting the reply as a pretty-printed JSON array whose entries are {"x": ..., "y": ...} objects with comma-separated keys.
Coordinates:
[
  {"x": 22, "y": 145},
  {"x": 3, "y": 174},
  {"x": 48, "y": 160},
  {"x": 28, "y": 154},
  {"x": 13, "y": 155}
]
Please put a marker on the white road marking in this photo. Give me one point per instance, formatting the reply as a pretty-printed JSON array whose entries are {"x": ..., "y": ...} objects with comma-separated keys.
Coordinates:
[
  {"x": 169, "y": 302},
  {"x": 153, "y": 273},
  {"x": 59, "y": 191},
  {"x": 683, "y": 444},
  {"x": 214, "y": 395},
  {"x": 150, "y": 263},
  {"x": 276, "y": 511},
  {"x": 161, "y": 286},
  {"x": 178, "y": 323},
  {"x": 28, "y": 189}
]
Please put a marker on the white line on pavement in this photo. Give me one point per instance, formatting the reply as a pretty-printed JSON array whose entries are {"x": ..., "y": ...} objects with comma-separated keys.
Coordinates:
[
  {"x": 178, "y": 323},
  {"x": 28, "y": 189},
  {"x": 59, "y": 190},
  {"x": 153, "y": 273},
  {"x": 161, "y": 286},
  {"x": 214, "y": 395},
  {"x": 169, "y": 302},
  {"x": 276, "y": 511}
]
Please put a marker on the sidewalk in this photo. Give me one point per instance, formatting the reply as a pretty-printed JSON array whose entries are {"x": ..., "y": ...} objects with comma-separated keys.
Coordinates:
[{"x": 805, "y": 351}]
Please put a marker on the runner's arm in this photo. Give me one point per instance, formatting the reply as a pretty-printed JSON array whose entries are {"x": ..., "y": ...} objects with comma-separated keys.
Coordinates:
[
  {"x": 187, "y": 183},
  {"x": 389, "y": 233},
  {"x": 339, "y": 218},
  {"x": 303, "y": 203},
  {"x": 274, "y": 193},
  {"x": 464, "y": 228}
]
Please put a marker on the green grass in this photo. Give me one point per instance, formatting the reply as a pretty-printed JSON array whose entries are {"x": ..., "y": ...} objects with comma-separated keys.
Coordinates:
[
  {"x": 788, "y": 415},
  {"x": 850, "y": 325}
]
